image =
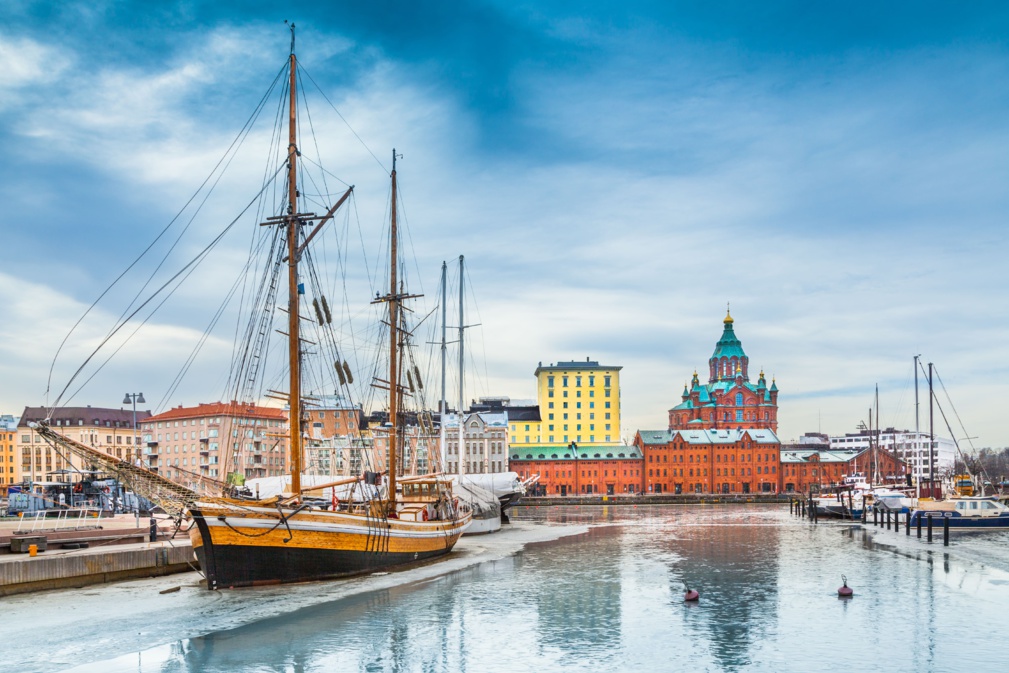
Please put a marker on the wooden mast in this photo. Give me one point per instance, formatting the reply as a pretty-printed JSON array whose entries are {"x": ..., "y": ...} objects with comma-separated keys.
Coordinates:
[
  {"x": 393, "y": 343},
  {"x": 293, "y": 300}
]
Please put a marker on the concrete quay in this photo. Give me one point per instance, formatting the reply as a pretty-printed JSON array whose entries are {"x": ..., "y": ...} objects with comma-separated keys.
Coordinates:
[{"x": 94, "y": 553}]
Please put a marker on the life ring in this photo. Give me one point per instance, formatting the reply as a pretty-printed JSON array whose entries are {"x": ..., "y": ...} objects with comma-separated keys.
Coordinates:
[
  {"x": 455, "y": 504},
  {"x": 424, "y": 514},
  {"x": 106, "y": 490}
]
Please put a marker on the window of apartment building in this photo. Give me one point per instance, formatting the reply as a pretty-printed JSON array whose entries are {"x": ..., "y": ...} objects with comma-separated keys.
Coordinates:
[
  {"x": 550, "y": 382},
  {"x": 564, "y": 381},
  {"x": 578, "y": 382},
  {"x": 606, "y": 381}
]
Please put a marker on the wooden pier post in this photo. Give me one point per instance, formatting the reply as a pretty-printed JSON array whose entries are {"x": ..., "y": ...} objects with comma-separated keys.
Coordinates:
[
  {"x": 930, "y": 526},
  {"x": 919, "y": 524},
  {"x": 945, "y": 531},
  {"x": 907, "y": 524}
]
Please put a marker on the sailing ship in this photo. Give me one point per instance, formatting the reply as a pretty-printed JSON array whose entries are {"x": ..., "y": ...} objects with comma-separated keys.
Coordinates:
[{"x": 241, "y": 540}]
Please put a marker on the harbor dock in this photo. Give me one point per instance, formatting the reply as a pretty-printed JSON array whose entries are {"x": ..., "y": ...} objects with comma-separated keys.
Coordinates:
[{"x": 99, "y": 551}]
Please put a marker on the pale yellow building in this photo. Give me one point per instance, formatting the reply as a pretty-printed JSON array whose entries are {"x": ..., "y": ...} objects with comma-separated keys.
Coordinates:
[
  {"x": 108, "y": 430},
  {"x": 578, "y": 402}
]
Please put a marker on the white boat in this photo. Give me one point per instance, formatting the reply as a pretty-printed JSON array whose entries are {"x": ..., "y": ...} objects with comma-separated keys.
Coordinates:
[{"x": 979, "y": 513}]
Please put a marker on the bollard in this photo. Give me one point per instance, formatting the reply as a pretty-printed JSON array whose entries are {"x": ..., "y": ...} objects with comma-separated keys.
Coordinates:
[
  {"x": 945, "y": 531},
  {"x": 929, "y": 527},
  {"x": 907, "y": 524},
  {"x": 919, "y": 524},
  {"x": 154, "y": 529}
]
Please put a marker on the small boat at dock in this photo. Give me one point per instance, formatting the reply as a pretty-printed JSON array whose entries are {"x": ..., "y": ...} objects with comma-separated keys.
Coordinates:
[{"x": 970, "y": 513}]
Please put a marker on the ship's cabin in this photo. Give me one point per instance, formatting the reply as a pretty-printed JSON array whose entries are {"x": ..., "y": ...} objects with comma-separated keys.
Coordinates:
[{"x": 980, "y": 507}]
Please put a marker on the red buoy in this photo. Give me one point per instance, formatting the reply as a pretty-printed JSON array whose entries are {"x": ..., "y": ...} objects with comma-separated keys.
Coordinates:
[
  {"x": 691, "y": 596},
  {"x": 845, "y": 591}
]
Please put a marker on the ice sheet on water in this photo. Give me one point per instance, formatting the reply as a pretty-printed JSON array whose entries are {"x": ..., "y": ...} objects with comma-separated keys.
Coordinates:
[{"x": 74, "y": 627}]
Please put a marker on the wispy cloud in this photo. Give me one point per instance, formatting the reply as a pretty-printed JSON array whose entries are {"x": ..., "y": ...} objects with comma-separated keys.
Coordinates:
[{"x": 613, "y": 180}]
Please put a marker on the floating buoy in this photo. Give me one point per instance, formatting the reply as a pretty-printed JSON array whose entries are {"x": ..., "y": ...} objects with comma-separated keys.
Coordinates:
[
  {"x": 845, "y": 591},
  {"x": 691, "y": 596}
]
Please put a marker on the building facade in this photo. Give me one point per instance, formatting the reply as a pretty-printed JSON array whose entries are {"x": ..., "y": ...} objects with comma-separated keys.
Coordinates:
[
  {"x": 580, "y": 469},
  {"x": 334, "y": 445},
  {"x": 10, "y": 472},
  {"x": 729, "y": 400},
  {"x": 911, "y": 447},
  {"x": 217, "y": 439},
  {"x": 806, "y": 469},
  {"x": 710, "y": 461},
  {"x": 108, "y": 430},
  {"x": 485, "y": 439},
  {"x": 578, "y": 402}
]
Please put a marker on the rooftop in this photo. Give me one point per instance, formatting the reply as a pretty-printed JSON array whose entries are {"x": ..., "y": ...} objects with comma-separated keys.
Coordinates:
[{"x": 232, "y": 409}]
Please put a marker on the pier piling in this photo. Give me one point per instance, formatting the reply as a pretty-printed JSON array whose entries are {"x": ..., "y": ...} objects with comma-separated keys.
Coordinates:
[
  {"x": 875, "y": 516},
  {"x": 945, "y": 531},
  {"x": 929, "y": 527},
  {"x": 896, "y": 522},
  {"x": 919, "y": 526},
  {"x": 888, "y": 519}
]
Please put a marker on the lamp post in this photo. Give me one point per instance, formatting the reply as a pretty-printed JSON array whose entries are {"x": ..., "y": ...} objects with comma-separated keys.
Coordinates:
[{"x": 134, "y": 398}]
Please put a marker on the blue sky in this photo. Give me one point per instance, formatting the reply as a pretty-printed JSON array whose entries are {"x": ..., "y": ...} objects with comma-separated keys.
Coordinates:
[{"x": 614, "y": 173}]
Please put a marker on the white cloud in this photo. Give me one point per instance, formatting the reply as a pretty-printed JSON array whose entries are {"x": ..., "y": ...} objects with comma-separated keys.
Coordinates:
[
  {"x": 25, "y": 62},
  {"x": 845, "y": 242}
]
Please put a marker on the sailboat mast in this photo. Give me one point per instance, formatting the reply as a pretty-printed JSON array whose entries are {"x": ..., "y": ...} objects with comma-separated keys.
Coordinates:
[
  {"x": 443, "y": 408},
  {"x": 462, "y": 328},
  {"x": 931, "y": 435},
  {"x": 393, "y": 339},
  {"x": 293, "y": 300},
  {"x": 879, "y": 439},
  {"x": 917, "y": 431}
]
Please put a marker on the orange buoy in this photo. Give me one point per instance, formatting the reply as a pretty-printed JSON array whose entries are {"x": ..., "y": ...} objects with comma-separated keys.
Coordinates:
[
  {"x": 691, "y": 596},
  {"x": 845, "y": 591}
]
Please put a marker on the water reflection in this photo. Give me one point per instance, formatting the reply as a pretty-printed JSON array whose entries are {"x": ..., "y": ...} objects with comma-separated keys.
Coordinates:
[
  {"x": 735, "y": 568},
  {"x": 612, "y": 600}
]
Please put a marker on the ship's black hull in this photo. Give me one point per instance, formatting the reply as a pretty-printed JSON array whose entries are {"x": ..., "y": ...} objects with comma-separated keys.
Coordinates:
[{"x": 229, "y": 566}]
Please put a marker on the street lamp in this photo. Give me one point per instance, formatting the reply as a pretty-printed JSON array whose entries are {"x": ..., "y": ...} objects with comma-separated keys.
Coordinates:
[{"x": 134, "y": 398}]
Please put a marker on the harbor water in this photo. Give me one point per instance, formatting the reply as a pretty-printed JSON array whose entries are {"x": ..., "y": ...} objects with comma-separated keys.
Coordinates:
[{"x": 611, "y": 599}]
